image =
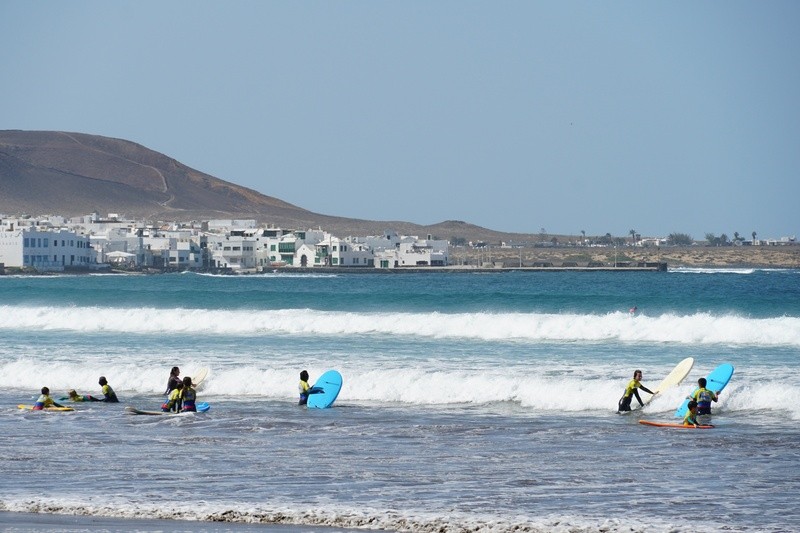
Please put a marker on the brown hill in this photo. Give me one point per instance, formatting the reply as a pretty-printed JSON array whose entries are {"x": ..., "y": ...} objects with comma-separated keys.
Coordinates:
[{"x": 70, "y": 174}]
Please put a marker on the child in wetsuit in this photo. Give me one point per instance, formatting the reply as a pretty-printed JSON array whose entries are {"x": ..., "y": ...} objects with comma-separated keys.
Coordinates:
[
  {"x": 691, "y": 415},
  {"x": 630, "y": 392},
  {"x": 75, "y": 397},
  {"x": 304, "y": 388},
  {"x": 188, "y": 395},
  {"x": 108, "y": 393},
  {"x": 174, "y": 402},
  {"x": 45, "y": 401},
  {"x": 703, "y": 397}
]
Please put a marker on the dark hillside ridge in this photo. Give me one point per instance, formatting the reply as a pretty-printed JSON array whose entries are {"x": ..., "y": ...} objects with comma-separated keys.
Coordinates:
[{"x": 72, "y": 174}]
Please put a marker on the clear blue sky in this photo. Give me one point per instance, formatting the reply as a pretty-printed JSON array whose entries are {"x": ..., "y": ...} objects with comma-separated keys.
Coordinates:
[{"x": 598, "y": 116}]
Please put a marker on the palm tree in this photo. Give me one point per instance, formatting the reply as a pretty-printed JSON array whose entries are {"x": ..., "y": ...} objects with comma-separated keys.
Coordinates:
[
  {"x": 754, "y": 237},
  {"x": 583, "y": 236},
  {"x": 633, "y": 235}
]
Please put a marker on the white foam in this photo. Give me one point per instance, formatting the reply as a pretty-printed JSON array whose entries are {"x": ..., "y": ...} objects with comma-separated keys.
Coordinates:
[
  {"x": 330, "y": 515},
  {"x": 698, "y": 328}
]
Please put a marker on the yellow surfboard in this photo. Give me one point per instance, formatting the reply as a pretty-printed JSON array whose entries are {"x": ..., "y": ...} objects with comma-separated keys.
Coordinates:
[{"x": 30, "y": 408}]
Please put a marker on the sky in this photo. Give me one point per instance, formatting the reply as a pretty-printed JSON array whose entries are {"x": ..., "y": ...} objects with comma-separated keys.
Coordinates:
[{"x": 518, "y": 116}]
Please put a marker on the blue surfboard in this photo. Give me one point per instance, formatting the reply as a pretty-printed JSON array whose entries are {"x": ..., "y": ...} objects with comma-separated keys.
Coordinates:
[
  {"x": 330, "y": 383},
  {"x": 715, "y": 381}
]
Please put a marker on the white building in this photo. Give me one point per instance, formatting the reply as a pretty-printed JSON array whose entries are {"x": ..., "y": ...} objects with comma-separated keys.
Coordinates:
[
  {"x": 45, "y": 249},
  {"x": 237, "y": 251}
]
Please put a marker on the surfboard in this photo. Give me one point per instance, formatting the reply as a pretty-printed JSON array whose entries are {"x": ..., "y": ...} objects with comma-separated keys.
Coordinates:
[
  {"x": 672, "y": 425},
  {"x": 330, "y": 383},
  {"x": 675, "y": 376},
  {"x": 199, "y": 377},
  {"x": 30, "y": 408},
  {"x": 202, "y": 407},
  {"x": 715, "y": 381}
]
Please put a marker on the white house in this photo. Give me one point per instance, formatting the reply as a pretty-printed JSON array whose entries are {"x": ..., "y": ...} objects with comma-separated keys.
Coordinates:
[
  {"x": 45, "y": 249},
  {"x": 412, "y": 252},
  {"x": 237, "y": 251}
]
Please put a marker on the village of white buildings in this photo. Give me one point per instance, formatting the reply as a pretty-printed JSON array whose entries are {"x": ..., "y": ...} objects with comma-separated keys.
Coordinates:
[{"x": 92, "y": 242}]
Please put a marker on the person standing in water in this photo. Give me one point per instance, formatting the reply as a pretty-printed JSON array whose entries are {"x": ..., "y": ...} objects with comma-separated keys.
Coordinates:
[
  {"x": 703, "y": 397},
  {"x": 631, "y": 391},
  {"x": 173, "y": 380},
  {"x": 305, "y": 389}
]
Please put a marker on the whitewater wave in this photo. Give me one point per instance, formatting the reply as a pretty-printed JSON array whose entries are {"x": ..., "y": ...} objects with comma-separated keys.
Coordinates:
[
  {"x": 698, "y": 328},
  {"x": 728, "y": 270},
  {"x": 337, "y": 516},
  {"x": 565, "y": 392}
]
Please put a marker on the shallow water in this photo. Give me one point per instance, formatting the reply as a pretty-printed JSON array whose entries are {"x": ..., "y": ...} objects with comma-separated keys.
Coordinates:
[{"x": 469, "y": 400}]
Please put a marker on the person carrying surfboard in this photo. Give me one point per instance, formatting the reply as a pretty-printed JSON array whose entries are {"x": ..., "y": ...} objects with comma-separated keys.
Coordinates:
[
  {"x": 631, "y": 391},
  {"x": 45, "y": 401},
  {"x": 305, "y": 389},
  {"x": 703, "y": 397}
]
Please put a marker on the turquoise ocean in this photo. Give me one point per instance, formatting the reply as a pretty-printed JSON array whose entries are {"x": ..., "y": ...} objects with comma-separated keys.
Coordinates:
[{"x": 471, "y": 402}]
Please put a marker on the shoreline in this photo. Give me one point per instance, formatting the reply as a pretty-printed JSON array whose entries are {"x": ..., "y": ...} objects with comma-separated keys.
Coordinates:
[
  {"x": 548, "y": 259},
  {"x": 22, "y": 522}
]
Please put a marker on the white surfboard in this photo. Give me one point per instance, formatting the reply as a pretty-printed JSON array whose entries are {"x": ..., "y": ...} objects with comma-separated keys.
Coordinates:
[
  {"x": 675, "y": 377},
  {"x": 199, "y": 377}
]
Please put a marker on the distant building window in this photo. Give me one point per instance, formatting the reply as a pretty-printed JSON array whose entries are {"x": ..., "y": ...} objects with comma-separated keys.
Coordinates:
[
  {"x": 55, "y": 242},
  {"x": 47, "y": 243},
  {"x": 25, "y": 243}
]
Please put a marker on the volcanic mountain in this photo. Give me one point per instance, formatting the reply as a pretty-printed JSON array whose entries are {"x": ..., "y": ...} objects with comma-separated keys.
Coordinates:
[{"x": 70, "y": 174}]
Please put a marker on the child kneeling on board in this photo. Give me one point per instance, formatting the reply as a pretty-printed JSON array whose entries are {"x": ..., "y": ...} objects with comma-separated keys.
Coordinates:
[
  {"x": 691, "y": 415},
  {"x": 188, "y": 395},
  {"x": 173, "y": 403}
]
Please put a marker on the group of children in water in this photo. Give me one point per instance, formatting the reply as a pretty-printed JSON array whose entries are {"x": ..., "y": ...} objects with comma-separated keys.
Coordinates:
[
  {"x": 181, "y": 396},
  {"x": 699, "y": 401},
  {"x": 46, "y": 401}
]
